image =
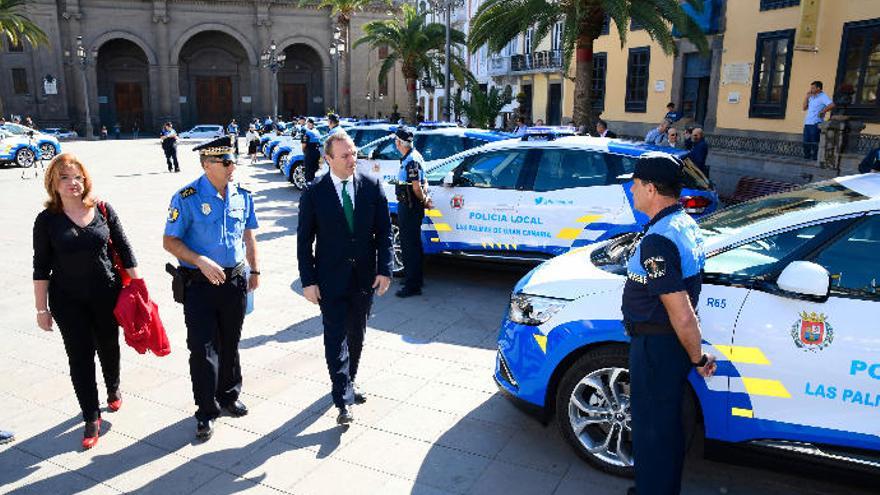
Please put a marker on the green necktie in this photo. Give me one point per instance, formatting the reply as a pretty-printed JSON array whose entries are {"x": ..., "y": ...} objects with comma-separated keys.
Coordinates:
[{"x": 347, "y": 207}]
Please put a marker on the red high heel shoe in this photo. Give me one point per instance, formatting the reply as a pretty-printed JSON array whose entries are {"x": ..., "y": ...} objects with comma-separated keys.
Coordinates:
[
  {"x": 114, "y": 403},
  {"x": 90, "y": 441}
]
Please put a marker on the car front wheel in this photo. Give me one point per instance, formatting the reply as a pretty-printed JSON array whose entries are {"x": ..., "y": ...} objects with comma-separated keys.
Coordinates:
[
  {"x": 298, "y": 176},
  {"x": 24, "y": 158},
  {"x": 47, "y": 151},
  {"x": 281, "y": 159},
  {"x": 397, "y": 262}
]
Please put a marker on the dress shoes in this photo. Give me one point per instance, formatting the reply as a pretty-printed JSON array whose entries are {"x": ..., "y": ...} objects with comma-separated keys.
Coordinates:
[
  {"x": 359, "y": 396},
  {"x": 407, "y": 292},
  {"x": 6, "y": 436},
  {"x": 91, "y": 434},
  {"x": 204, "y": 429},
  {"x": 114, "y": 401},
  {"x": 345, "y": 416},
  {"x": 237, "y": 409}
]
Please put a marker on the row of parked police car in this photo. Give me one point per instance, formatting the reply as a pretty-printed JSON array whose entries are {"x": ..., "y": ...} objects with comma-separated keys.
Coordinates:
[
  {"x": 789, "y": 302},
  {"x": 23, "y": 146}
]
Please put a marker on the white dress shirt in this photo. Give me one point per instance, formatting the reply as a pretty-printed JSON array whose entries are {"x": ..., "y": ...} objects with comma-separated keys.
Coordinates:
[{"x": 349, "y": 188}]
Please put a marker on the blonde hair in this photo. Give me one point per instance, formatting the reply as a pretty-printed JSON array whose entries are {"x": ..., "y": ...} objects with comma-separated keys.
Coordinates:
[
  {"x": 338, "y": 136},
  {"x": 53, "y": 175}
]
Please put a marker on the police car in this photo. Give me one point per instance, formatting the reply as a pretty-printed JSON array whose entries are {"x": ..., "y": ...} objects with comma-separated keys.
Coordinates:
[
  {"x": 20, "y": 150},
  {"x": 789, "y": 299},
  {"x": 48, "y": 145},
  {"x": 538, "y": 196}
]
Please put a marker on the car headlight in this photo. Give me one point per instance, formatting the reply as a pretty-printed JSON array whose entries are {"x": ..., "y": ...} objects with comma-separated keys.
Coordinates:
[{"x": 534, "y": 310}]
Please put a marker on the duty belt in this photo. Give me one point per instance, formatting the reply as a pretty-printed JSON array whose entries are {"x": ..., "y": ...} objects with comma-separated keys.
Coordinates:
[
  {"x": 196, "y": 275},
  {"x": 647, "y": 328}
]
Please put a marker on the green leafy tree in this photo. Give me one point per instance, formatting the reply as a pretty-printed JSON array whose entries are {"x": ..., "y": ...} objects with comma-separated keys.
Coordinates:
[
  {"x": 483, "y": 108},
  {"x": 18, "y": 28},
  {"x": 418, "y": 47},
  {"x": 499, "y": 21}
]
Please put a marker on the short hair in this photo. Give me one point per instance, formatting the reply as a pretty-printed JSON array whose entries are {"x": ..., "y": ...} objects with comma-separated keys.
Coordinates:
[
  {"x": 818, "y": 84},
  {"x": 406, "y": 144},
  {"x": 53, "y": 175},
  {"x": 339, "y": 136},
  {"x": 666, "y": 122},
  {"x": 668, "y": 190},
  {"x": 670, "y": 104},
  {"x": 602, "y": 123}
]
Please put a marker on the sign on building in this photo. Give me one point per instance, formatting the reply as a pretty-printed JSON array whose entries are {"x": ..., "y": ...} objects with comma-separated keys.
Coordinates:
[
  {"x": 50, "y": 85},
  {"x": 736, "y": 73}
]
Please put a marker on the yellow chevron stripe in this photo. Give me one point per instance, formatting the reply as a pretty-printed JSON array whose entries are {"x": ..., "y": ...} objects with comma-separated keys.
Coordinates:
[
  {"x": 740, "y": 354},
  {"x": 765, "y": 387},
  {"x": 435, "y": 239},
  {"x": 542, "y": 341},
  {"x": 514, "y": 246},
  {"x": 742, "y": 413},
  {"x": 569, "y": 233},
  {"x": 442, "y": 227},
  {"x": 588, "y": 218},
  {"x": 433, "y": 213}
]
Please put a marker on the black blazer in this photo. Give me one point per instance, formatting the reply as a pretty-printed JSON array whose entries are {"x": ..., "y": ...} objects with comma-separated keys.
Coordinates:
[{"x": 343, "y": 262}]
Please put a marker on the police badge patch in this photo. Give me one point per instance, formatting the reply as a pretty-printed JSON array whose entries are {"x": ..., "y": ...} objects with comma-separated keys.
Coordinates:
[
  {"x": 655, "y": 266},
  {"x": 206, "y": 208},
  {"x": 173, "y": 214}
]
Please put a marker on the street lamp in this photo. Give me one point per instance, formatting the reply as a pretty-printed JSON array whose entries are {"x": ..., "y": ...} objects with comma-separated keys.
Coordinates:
[
  {"x": 337, "y": 48},
  {"x": 274, "y": 61},
  {"x": 447, "y": 5},
  {"x": 84, "y": 58},
  {"x": 371, "y": 97}
]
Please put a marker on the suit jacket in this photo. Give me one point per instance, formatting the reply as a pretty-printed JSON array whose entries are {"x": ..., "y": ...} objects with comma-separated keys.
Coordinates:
[{"x": 343, "y": 262}]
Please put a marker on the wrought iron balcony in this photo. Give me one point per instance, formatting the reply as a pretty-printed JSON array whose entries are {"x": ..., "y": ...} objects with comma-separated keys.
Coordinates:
[{"x": 543, "y": 61}]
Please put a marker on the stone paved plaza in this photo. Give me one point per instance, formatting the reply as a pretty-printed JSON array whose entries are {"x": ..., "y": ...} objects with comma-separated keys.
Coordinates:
[{"x": 433, "y": 423}]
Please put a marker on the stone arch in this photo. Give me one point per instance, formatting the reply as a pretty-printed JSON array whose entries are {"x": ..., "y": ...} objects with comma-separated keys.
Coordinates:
[
  {"x": 214, "y": 26},
  {"x": 123, "y": 80},
  {"x": 321, "y": 50},
  {"x": 137, "y": 40}
]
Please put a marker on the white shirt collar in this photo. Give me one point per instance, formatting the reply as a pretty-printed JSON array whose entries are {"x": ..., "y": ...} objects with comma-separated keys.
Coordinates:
[{"x": 337, "y": 184}]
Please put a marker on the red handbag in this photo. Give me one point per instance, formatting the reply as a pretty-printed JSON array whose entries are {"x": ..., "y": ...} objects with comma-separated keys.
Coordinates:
[{"x": 114, "y": 256}]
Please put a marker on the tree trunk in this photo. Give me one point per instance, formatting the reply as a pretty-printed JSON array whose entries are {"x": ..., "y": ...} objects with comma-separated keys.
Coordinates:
[
  {"x": 412, "y": 100},
  {"x": 346, "y": 71},
  {"x": 583, "y": 105}
]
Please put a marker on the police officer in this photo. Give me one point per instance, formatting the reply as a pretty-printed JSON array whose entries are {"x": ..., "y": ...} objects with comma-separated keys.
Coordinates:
[
  {"x": 232, "y": 130},
  {"x": 661, "y": 292},
  {"x": 333, "y": 124},
  {"x": 210, "y": 230},
  {"x": 168, "y": 137},
  {"x": 412, "y": 199},
  {"x": 311, "y": 146}
]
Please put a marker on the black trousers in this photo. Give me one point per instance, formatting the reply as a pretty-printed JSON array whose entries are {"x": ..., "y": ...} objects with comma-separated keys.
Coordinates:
[
  {"x": 345, "y": 323},
  {"x": 171, "y": 156},
  {"x": 310, "y": 162},
  {"x": 409, "y": 220},
  {"x": 214, "y": 315},
  {"x": 659, "y": 367},
  {"x": 88, "y": 326}
]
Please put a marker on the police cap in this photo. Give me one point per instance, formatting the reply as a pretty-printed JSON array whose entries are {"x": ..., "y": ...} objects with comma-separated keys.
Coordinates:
[
  {"x": 332, "y": 117},
  {"x": 220, "y": 148},
  {"x": 659, "y": 168},
  {"x": 403, "y": 134}
]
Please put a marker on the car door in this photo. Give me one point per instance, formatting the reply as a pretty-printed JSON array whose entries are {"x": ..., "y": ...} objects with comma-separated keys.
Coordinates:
[
  {"x": 803, "y": 366},
  {"x": 383, "y": 160},
  {"x": 479, "y": 210},
  {"x": 569, "y": 190}
]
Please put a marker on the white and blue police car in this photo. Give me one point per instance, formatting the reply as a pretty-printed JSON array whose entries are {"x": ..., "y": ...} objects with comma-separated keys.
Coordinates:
[
  {"x": 48, "y": 145},
  {"x": 20, "y": 150},
  {"x": 790, "y": 297},
  {"x": 534, "y": 197}
]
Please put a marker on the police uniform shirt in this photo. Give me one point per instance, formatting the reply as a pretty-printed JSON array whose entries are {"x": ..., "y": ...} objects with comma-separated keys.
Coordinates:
[
  {"x": 668, "y": 259},
  {"x": 335, "y": 130},
  {"x": 311, "y": 137},
  {"x": 209, "y": 224},
  {"x": 411, "y": 169},
  {"x": 232, "y": 129}
]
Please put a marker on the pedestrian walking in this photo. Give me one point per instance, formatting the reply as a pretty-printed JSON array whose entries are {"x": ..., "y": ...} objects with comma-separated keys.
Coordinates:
[
  {"x": 253, "y": 140},
  {"x": 311, "y": 147},
  {"x": 210, "y": 230},
  {"x": 168, "y": 137},
  {"x": 662, "y": 288},
  {"x": 816, "y": 104},
  {"x": 76, "y": 284},
  {"x": 103, "y": 132},
  {"x": 412, "y": 199},
  {"x": 136, "y": 130},
  {"x": 232, "y": 131},
  {"x": 345, "y": 216}
]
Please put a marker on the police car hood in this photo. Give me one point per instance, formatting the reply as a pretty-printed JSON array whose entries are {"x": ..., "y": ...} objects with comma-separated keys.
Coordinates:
[{"x": 569, "y": 276}]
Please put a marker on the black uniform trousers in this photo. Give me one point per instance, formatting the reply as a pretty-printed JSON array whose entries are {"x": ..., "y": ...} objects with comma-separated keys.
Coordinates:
[
  {"x": 409, "y": 221},
  {"x": 87, "y": 326},
  {"x": 310, "y": 161},
  {"x": 214, "y": 315},
  {"x": 658, "y": 367},
  {"x": 345, "y": 323},
  {"x": 171, "y": 156}
]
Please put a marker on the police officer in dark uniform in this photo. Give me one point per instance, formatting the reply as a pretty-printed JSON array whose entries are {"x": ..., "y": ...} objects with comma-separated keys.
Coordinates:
[
  {"x": 232, "y": 131},
  {"x": 311, "y": 146},
  {"x": 168, "y": 137},
  {"x": 210, "y": 230},
  {"x": 412, "y": 199},
  {"x": 661, "y": 292}
]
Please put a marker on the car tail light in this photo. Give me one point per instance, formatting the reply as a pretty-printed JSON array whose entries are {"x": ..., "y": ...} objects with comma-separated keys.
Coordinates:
[{"x": 695, "y": 205}]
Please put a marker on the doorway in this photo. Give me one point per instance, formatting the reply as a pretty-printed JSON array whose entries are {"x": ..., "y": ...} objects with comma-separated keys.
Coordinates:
[
  {"x": 554, "y": 104},
  {"x": 214, "y": 99},
  {"x": 129, "y": 99},
  {"x": 695, "y": 87},
  {"x": 293, "y": 100}
]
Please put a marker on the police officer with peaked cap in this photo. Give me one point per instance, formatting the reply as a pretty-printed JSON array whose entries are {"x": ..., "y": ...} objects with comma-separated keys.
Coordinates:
[
  {"x": 412, "y": 199},
  {"x": 210, "y": 230},
  {"x": 661, "y": 292},
  {"x": 311, "y": 146}
]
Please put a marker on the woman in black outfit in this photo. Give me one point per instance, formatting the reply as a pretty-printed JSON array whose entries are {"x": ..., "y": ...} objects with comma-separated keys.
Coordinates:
[{"x": 75, "y": 283}]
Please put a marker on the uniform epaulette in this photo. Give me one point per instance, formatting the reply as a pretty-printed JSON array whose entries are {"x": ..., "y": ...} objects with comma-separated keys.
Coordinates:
[{"x": 187, "y": 192}]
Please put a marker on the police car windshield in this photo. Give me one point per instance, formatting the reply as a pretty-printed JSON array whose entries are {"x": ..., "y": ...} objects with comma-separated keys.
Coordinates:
[
  {"x": 437, "y": 146},
  {"x": 733, "y": 219},
  {"x": 364, "y": 136}
]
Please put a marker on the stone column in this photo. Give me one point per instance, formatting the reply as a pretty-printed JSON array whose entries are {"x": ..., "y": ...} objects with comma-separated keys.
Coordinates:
[
  {"x": 261, "y": 93},
  {"x": 163, "y": 110},
  {"x": 73, "y": 16}
]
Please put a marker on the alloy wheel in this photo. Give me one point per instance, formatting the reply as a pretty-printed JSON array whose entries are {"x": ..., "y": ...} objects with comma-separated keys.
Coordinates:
[{"x": 600, "y": 417}]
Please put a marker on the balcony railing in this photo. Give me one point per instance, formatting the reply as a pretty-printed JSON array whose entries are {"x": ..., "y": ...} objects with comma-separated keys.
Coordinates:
[
  {"x": 543, "y": 61},
  {"x": 498, "y": 66}
]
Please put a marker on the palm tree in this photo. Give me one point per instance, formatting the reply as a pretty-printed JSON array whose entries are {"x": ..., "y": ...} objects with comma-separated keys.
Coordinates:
[
  {"x": 343, "y": 11},
  {"x": 499, "y": 21},
  {"x": 17, "y": 28},
  {"x": 483, "y": 108},
  {"x": 419, "y": 49}
]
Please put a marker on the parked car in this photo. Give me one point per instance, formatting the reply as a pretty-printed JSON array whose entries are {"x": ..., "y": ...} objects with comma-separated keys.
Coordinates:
[
  {"x": 61, "y": 133},
  {"x": 205, "y": 131},
  {"x": 48, "y": 145},
  {"x": 19, "y": 150},
  {"x": 788, "y": 304}
]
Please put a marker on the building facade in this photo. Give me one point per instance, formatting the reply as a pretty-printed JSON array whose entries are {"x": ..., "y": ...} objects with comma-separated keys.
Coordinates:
[{"x": 186, "y": 61}]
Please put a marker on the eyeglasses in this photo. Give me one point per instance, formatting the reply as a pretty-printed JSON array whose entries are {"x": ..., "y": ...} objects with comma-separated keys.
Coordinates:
[{"x": 225, "y": 163}]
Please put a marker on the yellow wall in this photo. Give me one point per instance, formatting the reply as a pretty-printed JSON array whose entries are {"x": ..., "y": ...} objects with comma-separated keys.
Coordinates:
[
  {"x": 539, "y": 97},
  {"x": 745, "y": 21}
]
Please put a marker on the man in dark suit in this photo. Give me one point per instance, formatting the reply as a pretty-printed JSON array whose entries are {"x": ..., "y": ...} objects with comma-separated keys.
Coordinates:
[{"x": 345, "y": 215}]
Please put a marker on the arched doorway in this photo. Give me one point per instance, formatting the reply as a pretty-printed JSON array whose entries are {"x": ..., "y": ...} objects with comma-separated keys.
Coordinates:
[
  {"x": 214, "y": 74},
  {"x": 301, "y": 82},
  {"x": 123, "y": 85}
]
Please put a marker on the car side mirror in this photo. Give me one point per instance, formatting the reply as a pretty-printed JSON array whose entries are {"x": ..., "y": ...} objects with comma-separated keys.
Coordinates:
[
  {"x": 804, "y": 280},
  {"x": 373, "y": 154},
  {"x": 449, "y": 179}
]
